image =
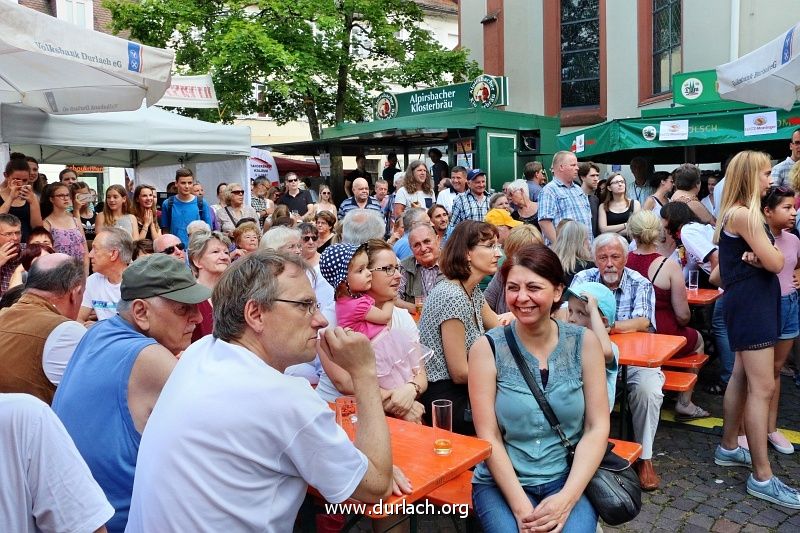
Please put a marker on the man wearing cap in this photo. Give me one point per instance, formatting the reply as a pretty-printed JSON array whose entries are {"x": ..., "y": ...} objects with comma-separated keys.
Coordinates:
[
  {"x": 116, "y": 374},
  {"x": 563, "y": 198},
  {"x": 501, "y": 219},
  {"x": 473, "y": 204}
]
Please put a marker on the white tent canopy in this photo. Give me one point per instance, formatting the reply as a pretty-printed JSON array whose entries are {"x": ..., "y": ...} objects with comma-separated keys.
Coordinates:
[
  {"x": 145, "y": 138},
  {"x": 62, "y": 69}
]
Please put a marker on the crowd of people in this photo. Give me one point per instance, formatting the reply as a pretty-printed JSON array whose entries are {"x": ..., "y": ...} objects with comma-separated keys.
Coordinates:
[{"x": 188, "y": 352}]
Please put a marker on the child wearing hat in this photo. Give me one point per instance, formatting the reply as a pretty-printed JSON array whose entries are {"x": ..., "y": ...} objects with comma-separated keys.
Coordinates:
[
  {"x": 345, "y": 267},
  {"x": 592, "y": 305}
]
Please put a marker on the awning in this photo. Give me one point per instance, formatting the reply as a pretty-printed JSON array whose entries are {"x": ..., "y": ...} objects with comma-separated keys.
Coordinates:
[{"x": 712, "y": 135}]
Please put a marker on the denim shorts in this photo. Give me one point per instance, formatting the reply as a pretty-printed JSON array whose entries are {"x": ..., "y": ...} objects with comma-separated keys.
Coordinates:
[{"x": 790, "y": 316}]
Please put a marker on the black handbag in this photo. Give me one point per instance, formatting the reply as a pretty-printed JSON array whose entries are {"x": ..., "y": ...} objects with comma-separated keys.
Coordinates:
[{"x": 614, "y": 489}]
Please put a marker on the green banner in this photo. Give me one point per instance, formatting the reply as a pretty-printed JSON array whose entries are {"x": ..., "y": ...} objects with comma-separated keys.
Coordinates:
[
  {"x": 690, "y": 88},
  {"x": 484, "y": 91}
]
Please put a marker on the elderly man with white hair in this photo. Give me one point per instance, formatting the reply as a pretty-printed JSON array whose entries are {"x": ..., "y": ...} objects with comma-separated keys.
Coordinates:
[
  {"x": 636, "y": 309},
  {"x": 361, "y": 225},
  {"x": 169, "y": 244}
]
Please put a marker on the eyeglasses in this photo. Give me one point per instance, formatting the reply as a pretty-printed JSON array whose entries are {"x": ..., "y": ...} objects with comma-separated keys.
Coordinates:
[
  {"x": 62, "y": 196},
  {"x": 326, "y": 192},
  {"x": 291, "y": 181},
  {"x": 795, "y": 143},
  {"x": 618, "y": 182},
  {"x": 295, "y": 246},
  {"x": 170, "y": 249},
  {"x": 11, "y": 234},
  {"x": 237, "y": 192},
  {"x": 309, "y": 306},
  {"x": 389, "y": 269},
  {"x": 494, "y": 247},
  {"x": 308, "y": 238}
]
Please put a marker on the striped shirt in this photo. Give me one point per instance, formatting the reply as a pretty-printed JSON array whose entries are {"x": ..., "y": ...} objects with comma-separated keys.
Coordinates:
[
  {"x": 780, "y": 172},
  {"x": 350, "y": 204},
  {"x": 558, "y": 201},
  {"x": 635, "y": 295},
  {"x": 467, "y": 207}
]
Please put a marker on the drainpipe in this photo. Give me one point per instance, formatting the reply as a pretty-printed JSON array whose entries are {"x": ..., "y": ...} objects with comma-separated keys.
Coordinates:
[{"x": 734, "y": 42}]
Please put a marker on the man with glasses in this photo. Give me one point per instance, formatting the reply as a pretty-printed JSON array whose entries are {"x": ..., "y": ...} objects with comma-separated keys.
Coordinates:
[
  {"x": 360, "y": 199},
  {"x": 259, "y": 200},
  {"x": 116, "y": 374},
  {"x": 179, "y": 210},
  {"x": 780, "y": 172},
  {"x": 112, "y": 251},
  {"x": 243, "y": 463},
  {"x": 10, "y": 248},
  {"x": 297, "y": 200},
  {"x": 169, "y": 244}
]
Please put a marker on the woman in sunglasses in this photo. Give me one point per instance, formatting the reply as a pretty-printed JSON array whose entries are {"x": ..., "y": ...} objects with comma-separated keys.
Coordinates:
[
  {"x": 234, "y": 209},
  {"x": 325, "y": 202},
  {"x": 67, "y": 231},
  {"x": 209, "y": 258},
  {"x": 308, "y": 243}
]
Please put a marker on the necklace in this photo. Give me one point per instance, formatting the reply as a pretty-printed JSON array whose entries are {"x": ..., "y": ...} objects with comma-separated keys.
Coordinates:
[{"x": 475, "y": 315}]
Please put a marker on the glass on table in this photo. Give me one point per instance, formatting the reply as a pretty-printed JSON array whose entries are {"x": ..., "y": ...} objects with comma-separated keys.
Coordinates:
[
  {"x": 442, "y": 418},
  {"x": 694, "y": 279},
  {"x": 419, "y": 303}
]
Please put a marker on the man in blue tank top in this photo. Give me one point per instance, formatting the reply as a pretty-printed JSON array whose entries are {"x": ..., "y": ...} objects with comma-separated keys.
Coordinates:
[{"x": 118, "y": 369}]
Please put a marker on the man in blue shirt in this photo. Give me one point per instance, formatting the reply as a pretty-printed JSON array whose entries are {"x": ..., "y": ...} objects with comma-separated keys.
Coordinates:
[{"x": 179, "y": 210}]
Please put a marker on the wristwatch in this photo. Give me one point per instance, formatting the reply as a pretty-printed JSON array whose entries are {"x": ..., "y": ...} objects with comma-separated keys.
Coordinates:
[{"x": 416, "y": 387}]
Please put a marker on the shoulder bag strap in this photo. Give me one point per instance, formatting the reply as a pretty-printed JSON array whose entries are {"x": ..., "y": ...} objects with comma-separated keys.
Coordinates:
[
  {"x": 653, "y": 281},
  {"x": 551, "y": 417}
]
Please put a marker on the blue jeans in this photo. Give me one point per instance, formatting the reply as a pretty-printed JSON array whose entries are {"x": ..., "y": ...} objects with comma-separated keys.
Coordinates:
[
  {"x": 496, "y": 516},
  {"x": 720, "y": 331}
]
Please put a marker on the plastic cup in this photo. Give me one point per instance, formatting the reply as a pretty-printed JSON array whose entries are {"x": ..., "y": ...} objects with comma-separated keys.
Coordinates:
[
  {"x": 347, "y": 415},
  {"x": 694, "y": 280},
  {"x": 419, "y": 303},
  {"x": 442, "y": 417}
]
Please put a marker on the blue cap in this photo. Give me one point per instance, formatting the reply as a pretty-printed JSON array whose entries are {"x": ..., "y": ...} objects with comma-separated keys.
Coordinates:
[
  {"x": 606, "y": 302},
  {"x": 334, "y": 261},
  {"x": 474, "y": 173}
]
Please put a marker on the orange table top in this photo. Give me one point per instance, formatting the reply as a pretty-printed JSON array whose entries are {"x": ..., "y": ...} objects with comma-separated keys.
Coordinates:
[
  {"x": 646, "y": 349},
  {"x": 412, "y": 451},
  {"x": 702, "y": 296}
]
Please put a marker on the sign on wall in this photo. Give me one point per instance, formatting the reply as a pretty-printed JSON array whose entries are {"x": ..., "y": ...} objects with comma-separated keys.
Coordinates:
[
  {"x": 699, "y": 87},
  {"x": 484, "y": 91}
]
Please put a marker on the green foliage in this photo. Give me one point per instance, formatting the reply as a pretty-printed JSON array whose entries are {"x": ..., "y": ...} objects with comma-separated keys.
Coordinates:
[{"x": 321, "y": 60}]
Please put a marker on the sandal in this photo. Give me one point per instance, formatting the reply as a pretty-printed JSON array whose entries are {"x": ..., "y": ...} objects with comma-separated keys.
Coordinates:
[
  {"x": 717, "y": 389},
  {"x": 695, "y": 413}
]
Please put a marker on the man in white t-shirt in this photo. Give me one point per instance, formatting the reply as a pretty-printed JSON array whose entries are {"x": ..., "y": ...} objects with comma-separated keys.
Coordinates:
[
  {"x": 46, "y": 484},
  {"x": 232, "y": 443},
  {"x": 111, "y": 253}
]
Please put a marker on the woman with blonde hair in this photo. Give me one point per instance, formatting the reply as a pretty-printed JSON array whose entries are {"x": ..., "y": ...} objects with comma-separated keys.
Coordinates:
[
  {"x": 325, "y": 202},
  {"x": 209, "y": 258},
  {"x": 672, "y": 305},
  {"x": 617, "y": 208},
  {"x": 417, "y": 190},
  {"x": 748, "y": 267},
  {"x": 572, "y": 249},
  {"x": 116, "y": 212},
  {"x": 520, "y": 236}
]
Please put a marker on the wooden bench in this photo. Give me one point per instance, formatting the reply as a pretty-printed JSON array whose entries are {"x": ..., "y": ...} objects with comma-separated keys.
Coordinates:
[
  {"x": 693, "y": 361},
  {"x": 458, "y": 491},
  {"x": 678, "y": 381}
]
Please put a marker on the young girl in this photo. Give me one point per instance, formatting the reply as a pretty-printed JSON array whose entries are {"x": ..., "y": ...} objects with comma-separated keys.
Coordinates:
[
  {"x": 117, "y": 213},
  {"x": 345, "y": 267},
  {"x": 779, "y": 210},
  {"x": 748, "y": 264},
  {"x": 144, "y": 210},
  {"x": 617, "y": 208},
  {"x": 67, "y": 231}
]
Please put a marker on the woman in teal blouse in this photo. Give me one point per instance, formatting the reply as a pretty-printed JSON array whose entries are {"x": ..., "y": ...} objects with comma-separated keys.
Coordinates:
[{"x": 527, "y": 484}]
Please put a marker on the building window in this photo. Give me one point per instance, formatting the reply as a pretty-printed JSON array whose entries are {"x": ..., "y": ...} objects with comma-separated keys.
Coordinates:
[
  {"x": 666, "y": 43},
  {"x": 78, "y": 12},
  {"x": 580, "y": 53}
]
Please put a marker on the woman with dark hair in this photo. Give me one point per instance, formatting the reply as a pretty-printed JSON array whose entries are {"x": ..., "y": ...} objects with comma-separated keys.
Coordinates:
[
  {"x": 528, "y": 479},
  {"x": 687, "y": 185},
  {"x": 325, "y": 223},
  {"x": 456, "y": 314},
  {"x": 143, "y": 208},
  {"x": 67, "y": 231},
  {"x": 17, "y": 198},
  {"x": 83, "y": 207},
  {"x": 417, "y": 190},
  {"x": 663, "y": 185},
  {"x": 614, "y": 213}
]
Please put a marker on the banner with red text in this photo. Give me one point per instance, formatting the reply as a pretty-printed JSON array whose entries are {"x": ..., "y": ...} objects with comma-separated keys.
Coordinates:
[{"x": 190, "y": 91}]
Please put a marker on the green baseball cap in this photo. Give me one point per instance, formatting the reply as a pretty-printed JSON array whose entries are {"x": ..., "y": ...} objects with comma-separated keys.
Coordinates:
[
  {"x": 162, "y": 275},
  {"x": 606, "y": 302}
]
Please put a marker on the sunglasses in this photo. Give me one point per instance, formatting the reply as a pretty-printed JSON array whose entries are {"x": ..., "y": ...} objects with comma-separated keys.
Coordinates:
[
  {"x": 309, "y": 238},
  {"x": 326, "y": 192},
  {"x": 237, "y": 192},
  {"x": 170, "y": 249},
  {"x": 290, "y": 181}
]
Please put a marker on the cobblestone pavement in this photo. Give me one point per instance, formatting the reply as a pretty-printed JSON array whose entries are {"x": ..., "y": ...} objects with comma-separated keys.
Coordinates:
[{"x": 695, "y": 494}]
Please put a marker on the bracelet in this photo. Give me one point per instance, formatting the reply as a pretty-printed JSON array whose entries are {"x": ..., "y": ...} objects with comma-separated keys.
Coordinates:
[{"x": 416, "y": 386}]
